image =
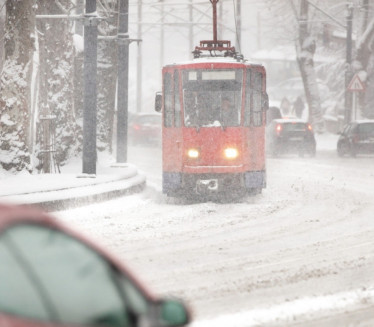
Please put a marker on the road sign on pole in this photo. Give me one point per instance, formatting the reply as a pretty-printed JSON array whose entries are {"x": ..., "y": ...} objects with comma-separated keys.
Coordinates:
[{"x": 356, "y": 84}]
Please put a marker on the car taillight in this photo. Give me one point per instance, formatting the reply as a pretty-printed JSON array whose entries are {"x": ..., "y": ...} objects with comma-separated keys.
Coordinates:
[
  {"x": 136, "y": 127},
  {"x": 310, "y": 128}
]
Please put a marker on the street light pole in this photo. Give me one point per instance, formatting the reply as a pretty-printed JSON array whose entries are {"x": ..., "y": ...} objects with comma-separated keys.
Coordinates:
[
  {"x": 90, "y": 88},
  {"x": 190, "y": 29},
  {"x": 162, "y": 36},
  {"x": 139, "y": 63},
  {"x": 239, "y": 24},
  {"x": 348, "y": 72},
  {"x": 123, "y": 80}
]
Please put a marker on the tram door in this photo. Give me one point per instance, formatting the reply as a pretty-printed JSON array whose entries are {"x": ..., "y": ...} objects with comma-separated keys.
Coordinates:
[
  {"x": 172, "y": 139},
  {"x": 256, "y": 82}
]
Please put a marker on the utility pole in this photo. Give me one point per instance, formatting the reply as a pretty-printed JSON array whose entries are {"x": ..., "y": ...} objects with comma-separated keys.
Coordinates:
[
  {"x": 90, "y": 88},
  {"x": 162, "y": 35},
  {"x": 190, "y": 8},
  {"x": 348, "y": 71},
  {"x": 259, "y": 32},
  {"x": 123, "y": 80},
  {"x": 79, "y": 11},
  {"x": 239, "y": 24},
  {"x": 220, "y": 15},
  {"x": 214, "y": 2},
  {"x": 139, "y": 82}
]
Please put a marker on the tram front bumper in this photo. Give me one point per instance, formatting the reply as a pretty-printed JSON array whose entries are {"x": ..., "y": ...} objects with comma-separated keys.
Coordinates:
[{"x": 204, "y": 184}]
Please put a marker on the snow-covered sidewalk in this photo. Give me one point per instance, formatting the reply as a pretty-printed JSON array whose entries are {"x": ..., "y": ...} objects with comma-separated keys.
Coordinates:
[{"x": 70, "y": 187}]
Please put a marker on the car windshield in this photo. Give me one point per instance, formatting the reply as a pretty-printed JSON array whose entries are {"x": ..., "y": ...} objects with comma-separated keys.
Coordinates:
[
  {"x": 293, "y": 127},
  {"x": 366, "y": 128},
  {"x": 212, "y": 98}
]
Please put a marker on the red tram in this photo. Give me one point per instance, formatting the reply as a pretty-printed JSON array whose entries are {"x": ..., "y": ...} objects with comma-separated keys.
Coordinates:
[{"x": 213, "y": 133}]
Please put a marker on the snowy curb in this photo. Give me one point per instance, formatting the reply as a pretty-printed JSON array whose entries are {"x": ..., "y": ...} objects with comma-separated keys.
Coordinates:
[
  {"x": 111, "y": 190},
  {"x": 62, "y": 196},
  {"x": 44, "y": 183}
]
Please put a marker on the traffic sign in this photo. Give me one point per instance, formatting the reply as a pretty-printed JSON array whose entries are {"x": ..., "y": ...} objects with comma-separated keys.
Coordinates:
[{"x": 356, "y": 84}]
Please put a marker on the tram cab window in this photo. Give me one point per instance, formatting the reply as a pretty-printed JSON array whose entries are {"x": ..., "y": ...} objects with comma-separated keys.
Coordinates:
[
  {"x": 212, "y": 98},
  {"x": 248, "y": 94},
  {"x": 257, "y": 99},
  {"x": 177, "y": 105},
  {"x": 168, "y": 100}
]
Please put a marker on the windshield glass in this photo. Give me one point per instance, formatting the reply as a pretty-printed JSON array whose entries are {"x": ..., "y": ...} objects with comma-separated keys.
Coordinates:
[
  {"x": 212, "y": 97},
  {"x": 293, "y": 127},
  {"x": 367, "y": 128}
]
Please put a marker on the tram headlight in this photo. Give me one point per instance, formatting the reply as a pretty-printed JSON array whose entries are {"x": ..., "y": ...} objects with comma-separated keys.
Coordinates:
[
  {"x": 231, "y": 153},
  {"x": 193, "y": 153}
]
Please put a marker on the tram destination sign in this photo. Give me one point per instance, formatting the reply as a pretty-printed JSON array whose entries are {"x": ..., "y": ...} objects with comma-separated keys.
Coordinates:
[{"x": 213, "y": 75}]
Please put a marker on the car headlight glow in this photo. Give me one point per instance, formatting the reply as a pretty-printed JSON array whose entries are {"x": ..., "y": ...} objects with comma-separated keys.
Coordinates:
[
  {"x": 193, "y": 153},
  {"x": 231, "y": 153}
]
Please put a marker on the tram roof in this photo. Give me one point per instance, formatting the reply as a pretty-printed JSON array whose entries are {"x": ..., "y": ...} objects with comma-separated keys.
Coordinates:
[{"x": 210, "y": 60}]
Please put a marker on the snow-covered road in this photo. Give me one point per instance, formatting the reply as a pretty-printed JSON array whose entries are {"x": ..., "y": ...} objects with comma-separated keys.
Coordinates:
[{"x": 300, "y": 254}]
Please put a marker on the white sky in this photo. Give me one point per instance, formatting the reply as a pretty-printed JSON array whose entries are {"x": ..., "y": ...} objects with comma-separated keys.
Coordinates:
[{"x": 177, "y": 44}]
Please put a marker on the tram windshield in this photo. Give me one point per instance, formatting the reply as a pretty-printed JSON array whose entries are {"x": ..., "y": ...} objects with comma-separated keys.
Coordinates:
[{"x": 212, "y": 97}]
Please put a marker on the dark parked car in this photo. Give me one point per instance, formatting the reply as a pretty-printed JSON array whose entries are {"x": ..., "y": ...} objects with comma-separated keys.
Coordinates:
[
  {"x": 357, "y": 137},
  {"x": 145, "y": 128},
  {"x": 272, "y": 113},
  {"x": 290, "y": 136},
  {"x": 53, "y": 276}
]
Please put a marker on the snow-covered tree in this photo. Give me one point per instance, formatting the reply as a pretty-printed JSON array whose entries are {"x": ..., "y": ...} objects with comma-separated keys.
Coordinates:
[
  {"x": 326, "y": 26},
  {"x": 294, "y": 21},
  {"x": 305, "y": 50},
  {"x": 363, "y": 62},
  {"x": 2, "y": 28},
  {"x": 57, "y": 128},
  {"x": 107, "y": 75},
  {"x": 15, "y": 85}
]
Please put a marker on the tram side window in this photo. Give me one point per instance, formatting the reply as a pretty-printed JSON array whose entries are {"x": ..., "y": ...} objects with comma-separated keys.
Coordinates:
[
  {"x": 177, "y": 105},
  {"x": 257, "y": 99},
  {"x": 168, "y": 101},
  {"x": 247, "y": 108}
]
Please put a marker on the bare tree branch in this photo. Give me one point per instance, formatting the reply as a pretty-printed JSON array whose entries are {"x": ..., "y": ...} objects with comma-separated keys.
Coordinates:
[{"x": 293, "y": 7}]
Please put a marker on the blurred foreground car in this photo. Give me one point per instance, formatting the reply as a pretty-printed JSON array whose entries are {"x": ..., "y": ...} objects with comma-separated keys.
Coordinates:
[
  {"x": 356, "y": 138},
  {"x": 52, "y": 276},
  {"x": 145, "y": 129},
  {"x": 290, "y": 136}
]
